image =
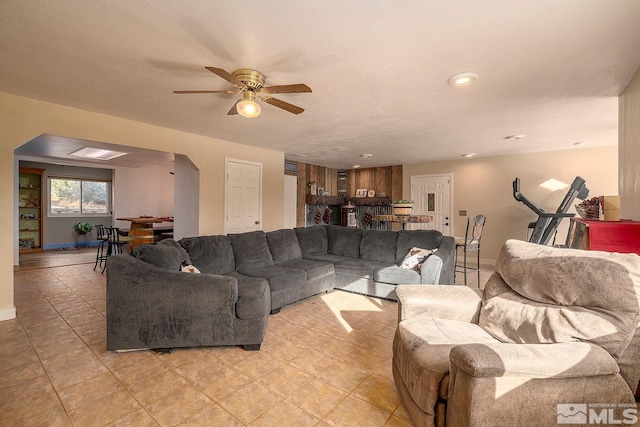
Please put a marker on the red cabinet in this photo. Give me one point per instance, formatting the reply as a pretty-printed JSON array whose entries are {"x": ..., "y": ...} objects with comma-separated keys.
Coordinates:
[{"x": 611, "y": 236}]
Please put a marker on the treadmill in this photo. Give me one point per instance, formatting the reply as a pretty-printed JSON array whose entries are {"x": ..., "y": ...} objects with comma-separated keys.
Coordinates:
[{"x": 548, "y": 222}]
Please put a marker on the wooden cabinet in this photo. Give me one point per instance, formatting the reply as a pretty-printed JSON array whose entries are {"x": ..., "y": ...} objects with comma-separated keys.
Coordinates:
[{"x": 30, "y": 209}]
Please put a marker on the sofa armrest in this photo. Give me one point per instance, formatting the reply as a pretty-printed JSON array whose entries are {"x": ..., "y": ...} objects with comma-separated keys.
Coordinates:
[
  {"x": 431, "y": 270},
  {"x": 560, "y": 360},
  {"x": 453, "y": 302},
  {"x": 150, "y": 307},
  {"x": 439, "y": 268}
]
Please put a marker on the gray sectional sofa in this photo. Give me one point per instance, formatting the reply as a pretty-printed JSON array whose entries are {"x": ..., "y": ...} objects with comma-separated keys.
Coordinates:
[
  {"x": 245, "y": 277},
  {"x": 367, "y": 261}
]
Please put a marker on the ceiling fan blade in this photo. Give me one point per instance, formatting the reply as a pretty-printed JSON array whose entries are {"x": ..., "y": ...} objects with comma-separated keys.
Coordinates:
[
  {"x": 204, "y": 91},
  {"x": 227, "y": 76},
  {"x": 284, "y": 105},
  {"x": 234, "y": 109},
  {"x": 296, "y": 88}
]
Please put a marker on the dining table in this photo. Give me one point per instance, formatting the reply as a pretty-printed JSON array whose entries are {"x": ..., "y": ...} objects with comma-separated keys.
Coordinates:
[{"x": 142, "y": 227}]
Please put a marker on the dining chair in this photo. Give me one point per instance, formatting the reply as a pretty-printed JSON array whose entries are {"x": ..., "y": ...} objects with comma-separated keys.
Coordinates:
[
  {"x": 116, "y": 243},
  {"x": 470, "y": 243},
  {"x": 103, "y": 240}
]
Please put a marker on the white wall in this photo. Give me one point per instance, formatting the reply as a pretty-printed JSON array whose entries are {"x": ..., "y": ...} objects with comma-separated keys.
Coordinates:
[
  {"x": 629, "y": 133},
  {"x": 484, "y": 185},
  {"x": 186, "y": 199},
  {"x": 142, "y": 191}
]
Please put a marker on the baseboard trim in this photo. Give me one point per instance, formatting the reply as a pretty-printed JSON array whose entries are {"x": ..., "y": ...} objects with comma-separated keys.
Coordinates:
[
  {"x": 487, "y": 262},
  {"x": 70, "y": 245},
  {"x": 7, "y": 313}
]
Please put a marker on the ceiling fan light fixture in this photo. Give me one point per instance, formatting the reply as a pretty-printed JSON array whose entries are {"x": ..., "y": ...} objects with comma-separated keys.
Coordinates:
[{"x": 248, "y": 109}]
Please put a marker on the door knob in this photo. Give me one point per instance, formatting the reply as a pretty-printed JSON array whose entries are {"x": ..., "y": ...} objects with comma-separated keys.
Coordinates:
[{"x": 257, "y": 222}]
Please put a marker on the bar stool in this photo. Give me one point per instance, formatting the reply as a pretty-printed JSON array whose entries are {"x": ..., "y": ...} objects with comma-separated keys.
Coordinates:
[
  {"x": 470, "y": 243},
  {"x": 102, "y": 241},
  {"x": 116, "y": 243}
]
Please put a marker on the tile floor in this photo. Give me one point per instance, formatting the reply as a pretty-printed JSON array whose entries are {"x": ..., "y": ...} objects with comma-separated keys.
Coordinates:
[{"x": 325, "y": 361}]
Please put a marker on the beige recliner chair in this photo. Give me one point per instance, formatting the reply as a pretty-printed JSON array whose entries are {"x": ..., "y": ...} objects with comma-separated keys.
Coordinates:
[{"x": 553, "y": 338}]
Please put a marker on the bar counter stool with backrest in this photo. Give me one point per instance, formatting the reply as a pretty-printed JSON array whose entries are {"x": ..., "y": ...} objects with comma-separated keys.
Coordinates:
[
  {"x": 102, "y": 238},
  {"x": 470, "y": 243},
  {"x": 116, "y": 243}
]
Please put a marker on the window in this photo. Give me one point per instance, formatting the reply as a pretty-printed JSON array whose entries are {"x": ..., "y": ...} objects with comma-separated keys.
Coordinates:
[{"x": 79, "y": 197}]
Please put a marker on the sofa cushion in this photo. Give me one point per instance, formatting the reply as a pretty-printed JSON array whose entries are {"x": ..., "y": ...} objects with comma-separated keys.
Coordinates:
[
  {"x": 312, "y": 240},
  {"x": 161, "y": 255},
  {"x": 378, "y": 245},
  {"x": 333, "y": 259},
  {"x": 407, "y": 239},
  {"x": 396, "y": 275},
  {"x": 211, "y": 254},
  {"x": 314, "y": 269},
  {"x": 541, "y": 294},
  {"x": 421, "y": 354},
  {"x": 344, "y": 241},
  {"x": 283, "y": 245},
  {"x": 254, "y": 296},
  {"x": 279, "y": 277},
  {"x": 251, "y": 250},
  {"x": 358, "y": 267}
]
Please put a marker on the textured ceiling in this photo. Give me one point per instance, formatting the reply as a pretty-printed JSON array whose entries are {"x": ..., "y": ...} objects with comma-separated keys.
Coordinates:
[{"x": 548, "y": 69}]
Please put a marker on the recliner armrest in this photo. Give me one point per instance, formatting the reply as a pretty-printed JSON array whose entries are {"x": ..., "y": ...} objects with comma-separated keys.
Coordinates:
[
  {"x": 453, "y": 302},
  {"x": 559, "y": 360}
]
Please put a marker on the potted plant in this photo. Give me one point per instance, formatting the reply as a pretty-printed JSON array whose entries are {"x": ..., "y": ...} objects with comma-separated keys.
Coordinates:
[
  {"x": 402, "y": 207},
  {"x": 83, "y": 227}
]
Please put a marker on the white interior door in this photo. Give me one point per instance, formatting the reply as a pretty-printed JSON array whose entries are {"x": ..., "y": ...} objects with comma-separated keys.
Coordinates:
[
  {"x": 432, "y": 195},
  {"x": 290, "y": 200},
  {"x": 243, "y": 196}
]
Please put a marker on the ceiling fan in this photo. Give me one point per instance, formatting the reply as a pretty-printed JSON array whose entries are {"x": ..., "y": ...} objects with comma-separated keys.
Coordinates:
[{"x": 250, "y": 83}]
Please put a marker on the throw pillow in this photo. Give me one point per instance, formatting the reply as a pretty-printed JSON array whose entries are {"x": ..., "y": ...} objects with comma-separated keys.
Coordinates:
[
  {"x": 407, "y": 239},
  {"x": 414, "y": 259},
  {"x": 188, "y": 268},
  {"x": 161, "y": 256}
]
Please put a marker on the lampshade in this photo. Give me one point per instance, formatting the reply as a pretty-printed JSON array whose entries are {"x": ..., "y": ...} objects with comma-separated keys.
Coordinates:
[{"x": 248, "y": 109}]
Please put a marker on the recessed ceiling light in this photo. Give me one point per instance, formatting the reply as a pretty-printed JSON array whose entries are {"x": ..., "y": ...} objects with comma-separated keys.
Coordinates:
[
  {"x": 469, "y": 155},
  {"x": 96, "y": 153},
  {"x": 299, "y": 155},
  {"x": 356, "y": 166},
  {"x": 462, "y": 79},
  {"x": 582, "y": 143},
  {"x": 366, "y": 156},
  {"x": 341, "y": 149},
  {"x": 514, "y": 137}
]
